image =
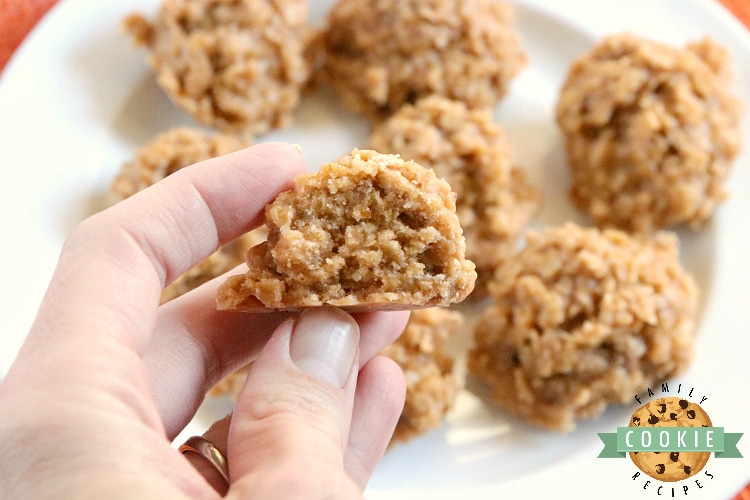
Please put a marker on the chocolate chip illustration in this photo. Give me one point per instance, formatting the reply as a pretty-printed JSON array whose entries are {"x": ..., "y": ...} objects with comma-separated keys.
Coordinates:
[{"x": 670, "y": 412}]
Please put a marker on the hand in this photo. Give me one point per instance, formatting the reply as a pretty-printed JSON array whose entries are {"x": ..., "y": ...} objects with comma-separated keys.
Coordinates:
[{"x": 106, "y": 378}]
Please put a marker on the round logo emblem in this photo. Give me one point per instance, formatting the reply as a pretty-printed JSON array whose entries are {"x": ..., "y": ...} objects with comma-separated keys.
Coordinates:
[{"x": 670, "y": 412}]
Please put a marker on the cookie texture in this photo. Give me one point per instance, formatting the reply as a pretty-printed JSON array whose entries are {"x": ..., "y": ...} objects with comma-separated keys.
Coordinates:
[
  {"x": 235, "y": 65},
  {"x": 670, "y": 412},
  {"x": 164, "y": 155},
  {"x": 369, "y": 230},
  {"x": 582, "y": 318},
  {"x": 650, "y": 132},
  {"x": 471, "y": 152},
  {"x": 382, "y": 54},
  {"x": 431, "y": 387}
]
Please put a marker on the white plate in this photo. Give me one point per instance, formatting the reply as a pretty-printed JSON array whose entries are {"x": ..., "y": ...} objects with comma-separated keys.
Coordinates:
[{"x": 77, "y": 100}]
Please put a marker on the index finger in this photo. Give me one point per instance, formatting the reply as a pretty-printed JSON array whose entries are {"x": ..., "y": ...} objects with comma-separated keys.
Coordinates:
[{"x": 114, "y": 264}]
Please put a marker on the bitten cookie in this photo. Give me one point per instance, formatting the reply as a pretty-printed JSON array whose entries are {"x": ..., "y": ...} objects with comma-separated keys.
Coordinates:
[
  {"x": 382, "y": 54},
  {"x": 650, "y": 132},
  {"x": 670, "y": 412},
  {"x": 237, "y": 66},
  {"x": 367, "y": 231},
  {"x": 471, "y": 152},
  {"x": 582, "y": 318}
]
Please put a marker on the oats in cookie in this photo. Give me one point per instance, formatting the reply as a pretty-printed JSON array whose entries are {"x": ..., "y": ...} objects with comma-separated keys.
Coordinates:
[
  {"x": 583, "y": 318},
  {"x": 236, "y": 66},
  {"x": 382, "y": 54},
  {"x": 368, "y": 231},
  {"x": 650, "y": 132},
  {"x": 471, "y": 152}
]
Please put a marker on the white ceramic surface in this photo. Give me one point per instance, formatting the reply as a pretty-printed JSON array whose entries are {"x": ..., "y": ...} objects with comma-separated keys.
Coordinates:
[{"x": 77, "y": 99}]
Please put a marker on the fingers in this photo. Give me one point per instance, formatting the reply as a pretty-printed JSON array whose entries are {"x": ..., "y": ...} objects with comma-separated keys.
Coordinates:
[
  {"x": 378, "y": 329},
  {"x": 195, "y": 346},
  {"x": 378, "y": 404},
  {"x": 121, "y": 258},
  {"x": 100, "y": 309},
  {"x": 294, "y": 412},
  {"x": 183, "y": 218}
]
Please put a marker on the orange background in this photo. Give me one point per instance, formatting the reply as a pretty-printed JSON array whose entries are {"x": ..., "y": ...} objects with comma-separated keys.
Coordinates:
[{"x": 17, "y": 17}]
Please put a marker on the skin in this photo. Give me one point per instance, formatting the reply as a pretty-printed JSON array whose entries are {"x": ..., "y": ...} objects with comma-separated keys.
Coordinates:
[{"x": 107, "y": 378}]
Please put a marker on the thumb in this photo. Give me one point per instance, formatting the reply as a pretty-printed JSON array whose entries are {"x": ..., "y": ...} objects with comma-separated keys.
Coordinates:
[{"x": 291, "y": 422}]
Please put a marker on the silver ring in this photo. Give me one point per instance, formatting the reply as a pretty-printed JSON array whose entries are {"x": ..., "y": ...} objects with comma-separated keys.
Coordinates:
[{"x": 207, "y": 450}]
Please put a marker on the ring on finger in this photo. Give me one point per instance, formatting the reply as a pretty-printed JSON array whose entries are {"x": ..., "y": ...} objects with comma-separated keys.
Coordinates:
[{"x": 207, "y": 450}]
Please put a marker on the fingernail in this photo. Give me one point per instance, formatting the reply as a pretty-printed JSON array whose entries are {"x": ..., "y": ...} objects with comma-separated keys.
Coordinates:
[{"x": 324, "y": 344}]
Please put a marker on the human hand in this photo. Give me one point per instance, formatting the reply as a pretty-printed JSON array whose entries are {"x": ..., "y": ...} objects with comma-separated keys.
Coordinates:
[{"x": 106, "y": 378}]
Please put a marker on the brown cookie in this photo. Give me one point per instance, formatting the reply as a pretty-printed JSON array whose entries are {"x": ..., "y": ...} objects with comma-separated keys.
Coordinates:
[
  {"x": 367, "y": 231},
  {"x": 238, "y": 66},
  {"x": 670, "y": 412},
  {"x": 581, "y": 319},
  {"x": 383, "y": 54},
  {"x": 650, "y": 132}
]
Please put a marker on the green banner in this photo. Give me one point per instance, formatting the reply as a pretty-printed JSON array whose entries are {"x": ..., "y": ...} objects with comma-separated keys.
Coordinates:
[{"x": 669, "y": 439}]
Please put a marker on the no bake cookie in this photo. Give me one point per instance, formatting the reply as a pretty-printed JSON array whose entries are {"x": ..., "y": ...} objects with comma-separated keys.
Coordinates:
[
  {"x": 369, "y": 230},
  {"x": 650, "y": 132},
  {"x": 431, "y": 387},
  {"x": 582, "y": 318},
  {"x": 382, "y": 54},
  {"x": 236, "y": 66}
]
